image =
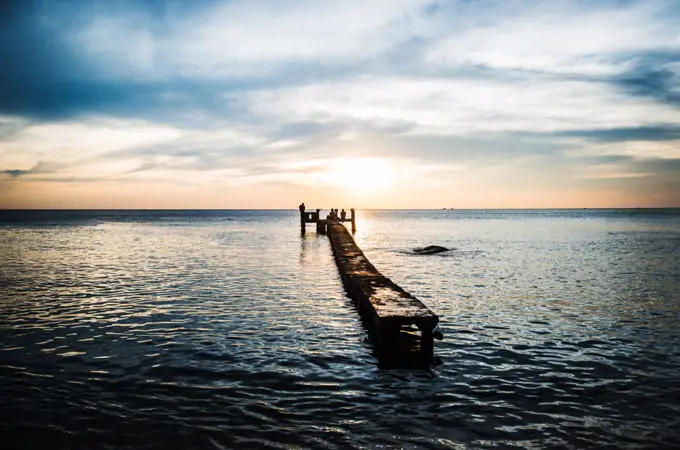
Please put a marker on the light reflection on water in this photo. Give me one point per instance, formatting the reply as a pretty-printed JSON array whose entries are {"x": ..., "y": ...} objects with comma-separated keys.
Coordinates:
[{"x": 229, "y": 329}]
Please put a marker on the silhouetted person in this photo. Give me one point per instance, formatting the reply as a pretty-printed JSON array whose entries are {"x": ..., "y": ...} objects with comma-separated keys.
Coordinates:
[
  {"x": 332, "y": 213},
  {"x": 343, "y": 214},
  {"x": 302, "y": 207}
]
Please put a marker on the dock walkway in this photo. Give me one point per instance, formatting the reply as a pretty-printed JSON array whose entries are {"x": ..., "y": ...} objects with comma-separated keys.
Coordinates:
[{"x": 387, "y": 306}]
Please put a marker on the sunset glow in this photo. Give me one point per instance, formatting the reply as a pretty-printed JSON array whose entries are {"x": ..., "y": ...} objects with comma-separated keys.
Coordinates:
[
  {"x": 363, "y": 175},
  {"x": 260, "y": 104}
]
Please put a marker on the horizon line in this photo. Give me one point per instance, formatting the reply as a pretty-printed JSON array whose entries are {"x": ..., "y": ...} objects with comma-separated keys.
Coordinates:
[{"x": 360, "y": 209}]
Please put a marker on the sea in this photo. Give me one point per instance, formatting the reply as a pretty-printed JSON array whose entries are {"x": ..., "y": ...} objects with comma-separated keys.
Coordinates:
[{"x": 230, "y": 329}]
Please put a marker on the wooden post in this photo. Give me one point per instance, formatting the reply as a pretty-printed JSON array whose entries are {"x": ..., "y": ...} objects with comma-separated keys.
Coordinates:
[
  {"x": 427, "y": 345},
  {"x": 302, "y": 218},
  {"x": 354, "y": 222},
  {"x": 387, "y": 340}
]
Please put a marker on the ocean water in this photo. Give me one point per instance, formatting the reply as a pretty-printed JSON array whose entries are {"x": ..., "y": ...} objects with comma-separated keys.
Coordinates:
[{"x": 227, "y": 329}]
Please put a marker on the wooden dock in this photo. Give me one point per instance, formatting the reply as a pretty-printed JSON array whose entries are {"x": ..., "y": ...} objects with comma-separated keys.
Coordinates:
[
  {"x": 387, "y": 308},
  {"x": 321, "y": 224}
]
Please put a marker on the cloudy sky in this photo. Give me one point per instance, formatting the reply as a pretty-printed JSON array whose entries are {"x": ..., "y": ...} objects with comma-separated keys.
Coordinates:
[{"x": 366, "y": 103}]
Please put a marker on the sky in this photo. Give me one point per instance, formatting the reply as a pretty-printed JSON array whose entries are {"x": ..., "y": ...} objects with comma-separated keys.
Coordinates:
[{"x": 356, "y": 103}]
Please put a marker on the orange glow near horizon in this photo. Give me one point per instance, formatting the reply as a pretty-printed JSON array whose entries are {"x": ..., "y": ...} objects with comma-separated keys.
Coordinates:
[{"x": 390, "y": 192}]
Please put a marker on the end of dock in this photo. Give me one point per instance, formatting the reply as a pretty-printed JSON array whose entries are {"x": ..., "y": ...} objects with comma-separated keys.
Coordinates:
[
  {"x": 385, "y": 307},
  {"x": 321, "y": 223}
]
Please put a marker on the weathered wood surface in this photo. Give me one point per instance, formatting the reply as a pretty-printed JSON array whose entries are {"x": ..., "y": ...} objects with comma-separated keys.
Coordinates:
[{"x": 387, "y": 304}]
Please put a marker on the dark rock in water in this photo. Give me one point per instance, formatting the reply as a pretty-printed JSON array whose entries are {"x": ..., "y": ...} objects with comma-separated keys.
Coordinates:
[{"x": 430, "y": 250}]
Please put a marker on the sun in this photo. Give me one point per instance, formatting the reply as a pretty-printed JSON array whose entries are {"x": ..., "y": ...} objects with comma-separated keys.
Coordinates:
[{"x": 361, "y": 174}]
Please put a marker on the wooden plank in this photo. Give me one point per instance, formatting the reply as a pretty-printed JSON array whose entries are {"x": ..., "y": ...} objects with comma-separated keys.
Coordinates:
[{"x": 387, "y": 304}]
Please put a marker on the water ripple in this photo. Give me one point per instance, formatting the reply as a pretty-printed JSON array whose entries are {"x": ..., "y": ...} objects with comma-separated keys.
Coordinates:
[{"x": 229, "y": 330}]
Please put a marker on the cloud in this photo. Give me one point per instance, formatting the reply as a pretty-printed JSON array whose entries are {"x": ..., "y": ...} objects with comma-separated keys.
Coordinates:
[
  {"x": 241, "y": 38},
  {"x": 250, "y": 91},
  {"x": 556, "y": 37},
  {"x": 41, "y": 167},
  {"x": 624, "y": 134},
  {"x": 660, "y": 84}
]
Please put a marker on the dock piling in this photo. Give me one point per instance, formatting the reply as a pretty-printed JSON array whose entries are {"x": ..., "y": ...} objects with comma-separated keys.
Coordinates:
[
  {"x": 308, "y": 217},
  {"x": 302, "y": 218},
  {"x": 427, "y": 344}
]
